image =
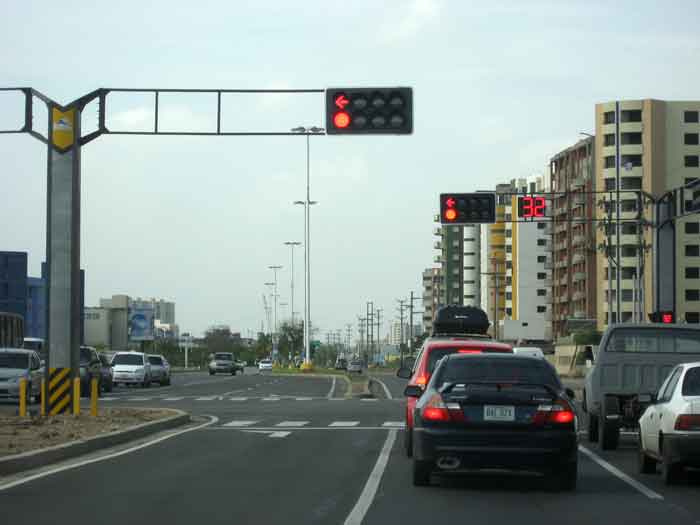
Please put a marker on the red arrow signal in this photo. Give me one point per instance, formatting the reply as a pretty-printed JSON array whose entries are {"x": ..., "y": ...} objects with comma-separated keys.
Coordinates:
[
  {"x": 341, "y": 101},
  {"x": 450, "y": 202}
]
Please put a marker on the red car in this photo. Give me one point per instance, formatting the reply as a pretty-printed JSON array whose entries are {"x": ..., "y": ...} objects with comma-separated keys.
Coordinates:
[{"x": 434, "y": 349}]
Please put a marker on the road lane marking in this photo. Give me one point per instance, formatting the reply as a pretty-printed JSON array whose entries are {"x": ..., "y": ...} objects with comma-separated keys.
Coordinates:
[
  {"x": 368, "y": 399},
  {"x": 238, "y": 399},
  {"x": 370, "y": 490},
  {"x": 107, "y": 398},
  {"x": 279, "y": 434},
  {"x": 394, "y": 424},
  {"x": 386, "y": 390},
  {"x": 337, "y": 399},
  {"x": 344, "y": 424},
  {"x": 206, "y": 398},
  {"x": 173, "y": 398},
  {"x": 303, "y": 398},
  {"x": 332, "y": 390},
  {"x": 272, "y": 429},
  {"x": 270, "y": 399},
  {"x": 621, "y": 475},
  {"x": 272, "y": 434},
  {"x": 240, "y": 423},
  {"x": 212, "y": 420},
  {"x": 139, "y": 399},
  {"x": 292, "y": 424}
]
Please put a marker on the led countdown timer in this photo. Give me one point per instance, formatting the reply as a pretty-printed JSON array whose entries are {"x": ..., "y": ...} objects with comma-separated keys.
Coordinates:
[{"x": 531, "y": 207}]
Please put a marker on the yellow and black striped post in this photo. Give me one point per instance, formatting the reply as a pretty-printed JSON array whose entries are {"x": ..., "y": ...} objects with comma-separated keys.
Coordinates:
[{"x": 59, "y": 391}]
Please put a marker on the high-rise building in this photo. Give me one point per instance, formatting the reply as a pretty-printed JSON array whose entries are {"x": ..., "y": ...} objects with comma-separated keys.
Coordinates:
[
  {"x": 432, "y": 291},
  {"x": 572, "y": 208},
  {"x": 650, "y": 146},
  {"x": 13, "y": 282}
]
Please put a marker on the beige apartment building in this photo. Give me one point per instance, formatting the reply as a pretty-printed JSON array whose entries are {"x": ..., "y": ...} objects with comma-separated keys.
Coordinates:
[{"x": 652, "y": 146}]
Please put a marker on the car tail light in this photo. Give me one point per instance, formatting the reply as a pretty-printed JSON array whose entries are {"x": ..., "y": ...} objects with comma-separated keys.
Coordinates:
[
  {"x": 435, "y": 410},
  {"x": 422, "y": 380},
  {"x": 558, "y": 413},
  {"x": 687, "y": 422},
  {"x": 467, "y": 351}
]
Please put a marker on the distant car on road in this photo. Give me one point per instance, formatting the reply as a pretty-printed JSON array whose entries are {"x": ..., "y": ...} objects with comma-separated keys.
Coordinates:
[
  {"x": 265, "y": 365},
  {"x": 341, "y": 364},
  {"x": 223, "y": 362},
  {"x": 494, "y": 411},
  {"x": 18, "y": 363},
  {"x": 632, "y": 362},
  {"x": 107, "y": 373},
  {"x": 669, "y": 429},
  {"x": 90, "y": 367},
  {"x": 355, "y": 366},
  {"x": 131, "y": 368},
  {"x": 160, "y": 370}
]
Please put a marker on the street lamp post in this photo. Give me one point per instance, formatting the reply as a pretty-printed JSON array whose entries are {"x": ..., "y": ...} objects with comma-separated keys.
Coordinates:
[{"x": 307, "y": 234}]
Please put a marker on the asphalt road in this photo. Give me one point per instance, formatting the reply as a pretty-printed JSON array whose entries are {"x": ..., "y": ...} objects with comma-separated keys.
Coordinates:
[{"x": 287, "y": 449}]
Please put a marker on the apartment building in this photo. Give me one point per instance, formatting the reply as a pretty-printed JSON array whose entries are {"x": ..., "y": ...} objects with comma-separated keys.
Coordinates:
[
  {"x": 574, "y": 249},
  {"x": 432, "y": 291},
  {"x": 650, "y": 146}
]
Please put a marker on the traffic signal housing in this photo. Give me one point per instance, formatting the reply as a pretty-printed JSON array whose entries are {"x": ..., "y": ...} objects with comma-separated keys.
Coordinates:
[
  {"x": 369, "y": 111},
  {"x": 663, "y": 317},
  {"x": 467, "y": 208}
]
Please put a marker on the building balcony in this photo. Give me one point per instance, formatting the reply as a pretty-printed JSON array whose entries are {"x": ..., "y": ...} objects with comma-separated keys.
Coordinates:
[
  {"x": 578, "y": 240},
  {"x": 561, "y": 245},
  {"x": 578, "y": 257},
  {"x": 549, "y": 299},
  {"x": 579, "y": 276},
  {"x": 578, "y": 295},
  {"x": 564, "y": 280},
  {"x": 548, "y": 265},
  {"x": 579, "y": 199},
  {"x": 548, "y": 229},
  {"x": 560, "y": 264},
  {"x": 547, "y": 282},
  {"x": 438, "y": 232},
  {"x": 560, "y": 227},
  {"x": 438, "y": 259},
  {"x": 437, "y": 245},
  {"x": 578, "y": 182}
]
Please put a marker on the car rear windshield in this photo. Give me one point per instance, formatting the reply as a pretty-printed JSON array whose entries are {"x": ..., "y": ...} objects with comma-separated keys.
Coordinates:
[
  {"x": 127, "y": 359},
  {"x": 223, "y": 357},
  {"x": 435, "y": 354},
  {"x": 691, "y": 383},
  {"x": 154, "y": 360},
  {"x": 654, "y": 341},
  {"x": 523, "y": 370},
  {"x": 9, "y": 360}
]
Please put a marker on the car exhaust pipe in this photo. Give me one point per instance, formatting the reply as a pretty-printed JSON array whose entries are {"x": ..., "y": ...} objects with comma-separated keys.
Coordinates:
[{"x": 448, "y": 463}]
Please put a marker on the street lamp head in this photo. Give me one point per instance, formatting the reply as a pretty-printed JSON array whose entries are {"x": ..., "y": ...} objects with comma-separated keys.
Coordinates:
[
  {"x": 299, "y": 202},
  {"x": 269, "y": 284},
  {"x": 316, "y": 129},
  {"x": 275, "y": 267},
  {"x": 313, "y": 202},
  {"x": 292, "y": 243},
  {"x": 298, "y": 129}
]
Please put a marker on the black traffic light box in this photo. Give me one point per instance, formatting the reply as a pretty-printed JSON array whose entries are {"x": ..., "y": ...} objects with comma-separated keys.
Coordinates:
[
  {"x": 369, "y": 111},
  {"x": 467, "y": 208},
  {"x": 664, "y": 317}
]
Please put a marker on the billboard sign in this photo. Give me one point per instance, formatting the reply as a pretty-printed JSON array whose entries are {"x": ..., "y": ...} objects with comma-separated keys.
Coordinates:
[{"x": 141, "y": 317}]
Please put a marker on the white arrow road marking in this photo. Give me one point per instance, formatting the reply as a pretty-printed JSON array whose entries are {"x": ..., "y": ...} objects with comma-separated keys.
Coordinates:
[
  {"x": 393, "y": 424},
  {"x": 172, "y": 398},
  {"x": 206, "y": 398},
  {"x": 240, "y": 423},
  {"x": 344, "y": 424},
  {"x": 303, "y": 398},
  {"x": 292, "y": 423},
  {"x": 239, "y": 399},
  {"x": 270, "y": 398},
  {"x": 277, "y": 434}
]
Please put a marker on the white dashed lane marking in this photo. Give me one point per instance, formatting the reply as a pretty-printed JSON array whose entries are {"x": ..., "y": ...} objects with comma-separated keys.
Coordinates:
[
  {"x": 292, "y": 424},
  {"x": 240, "y": 423},
  {"x": 344, "y": 424}
]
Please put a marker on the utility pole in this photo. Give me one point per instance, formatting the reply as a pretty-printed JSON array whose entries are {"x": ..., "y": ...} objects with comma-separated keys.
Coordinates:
[
  {"x": 361, "y": 329},
  {"x": 402, "y": 308},
  {"x": 410, "y": 328},
  {"x": 379, "y": 340},
  {"x": 348, "y": 335},
  {"x": 370, "y": 327}
]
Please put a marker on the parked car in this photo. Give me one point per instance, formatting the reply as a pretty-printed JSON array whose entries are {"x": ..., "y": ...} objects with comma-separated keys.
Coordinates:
[
  {"x": 669, "y": 429},
  {"x": 355, "y": 366},
  {"x": 341, "y": 364},
  {"x": 38, "y": 345},
  {"x": 632, "y": 362},
  {"x": 107, "y": 373},
  {"x": 160, "y": 370},
  {"x": 445, "y": 341},
  {"x": 131, "y": 368},
  {"x": 18, "y": 363},
  {"x": 490, "y": 411},
  {"x": 265, "y": 365},
  {"x": 90, "y": 367},
  {"x": 223, "y": 362}
]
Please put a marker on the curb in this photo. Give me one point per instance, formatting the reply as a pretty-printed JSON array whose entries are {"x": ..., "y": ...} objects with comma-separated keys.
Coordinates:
[{"x": 42, "y": 457}]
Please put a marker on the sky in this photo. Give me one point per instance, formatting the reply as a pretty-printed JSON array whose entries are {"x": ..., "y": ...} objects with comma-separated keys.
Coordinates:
[{"x": 499, "y": 88}]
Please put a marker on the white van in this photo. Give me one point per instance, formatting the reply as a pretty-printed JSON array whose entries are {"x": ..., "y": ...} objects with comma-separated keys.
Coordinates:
[{"x": 529, "y": 351}]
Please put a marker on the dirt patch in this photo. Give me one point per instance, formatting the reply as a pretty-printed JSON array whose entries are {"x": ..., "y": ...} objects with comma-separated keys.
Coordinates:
[{"x": 19, "y": 435}]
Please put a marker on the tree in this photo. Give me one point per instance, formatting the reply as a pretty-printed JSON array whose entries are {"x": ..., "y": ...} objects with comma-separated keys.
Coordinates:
[{"x": 291, "y": 341}]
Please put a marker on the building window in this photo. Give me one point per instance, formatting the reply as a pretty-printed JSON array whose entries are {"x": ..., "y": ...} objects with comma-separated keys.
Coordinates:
[
  {"x": 509, "y": 296},
  {"x": 691, "y": 139},
  {"x": 469, "y": 297},
  {"x": 631, "y": 183},
  {"x": 469, "y": 282},
  {"x": 609, "y": 139},
  {"x": 630, "y": 161},
  {"x": 541, "y": 242},
  {"x": 541, "y": 309},
  {"x": 630, "y": 138},
  {"x": 541, "y": 292},
  {"x": 628, "y": 205},
  {"x": 692, "y": 317},
  {"x": 631, "y": 115},
  {"x": 541, "y": 275},
  {"x": 609, "y": 117},
  {"x": 509, "y": 311},
  {"x": 629, "y": 272},
  {"x": 692, "y": 250},
  {"x": 509, "y": 248},
  {"x": 609, "y": 161},
  {"x": 541, "y": 225},
  {"x": 509, "y": 265},
  {"x": 692, "y": 295},
  {"x": 628, "y": 228},
  {"x": 690, "y": 117},
  {"x": 609, "y": 183},
  {"x": 692, "y": 161},
  {"x": 626, "y": 295},
  {"x": 692, "y": 227},
  {"x": 469, "y": 240},
  {"x": 541, "y": 258},
  {"x": 626, "y": 317},
  {"x": 509, "y": 233},
  {"x": 692, "y": 272},
  {"x": 629, "y": 251}
]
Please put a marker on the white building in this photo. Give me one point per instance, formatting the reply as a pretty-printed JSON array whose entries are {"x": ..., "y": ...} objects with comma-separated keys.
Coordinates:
[{"x": 471, "y": 263}]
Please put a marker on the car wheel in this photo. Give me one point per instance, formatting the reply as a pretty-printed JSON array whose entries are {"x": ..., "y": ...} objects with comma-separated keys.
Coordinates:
[
  {"x": 167, "y": 381},
  {"x": 109, "y": 386},
  {"x": 670, "y": 471},
  {"x": 233, "y": 372},
  {"x": 421, "y": 473},
  {"x": 592, "y": 428},
  {"x": 645, "y": 463},
  {"x": 408, "y": 441},
  {"x": 28, "y": 395},
  {"x": 211, "y": 372},
  {"x": 567, "y": 477},
  {"x": 609, "y": 429}
]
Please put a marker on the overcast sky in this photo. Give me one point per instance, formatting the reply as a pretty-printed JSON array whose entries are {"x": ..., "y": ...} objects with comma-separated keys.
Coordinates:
[{"x": 499, "y": 87}]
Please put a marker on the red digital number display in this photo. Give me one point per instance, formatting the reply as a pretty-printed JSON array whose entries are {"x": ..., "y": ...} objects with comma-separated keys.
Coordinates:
[{"x": 531, "y": 207}]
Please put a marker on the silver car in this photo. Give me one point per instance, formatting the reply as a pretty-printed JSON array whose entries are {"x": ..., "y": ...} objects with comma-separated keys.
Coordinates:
[
  {"x": 131, "y": 368},
  {"x": 18, "y": 363},
  {"x": 355, "y": 366},
  {"x": 160, "y": 370}
]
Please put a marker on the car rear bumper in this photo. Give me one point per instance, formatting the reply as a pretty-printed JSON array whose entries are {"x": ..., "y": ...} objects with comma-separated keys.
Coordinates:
[
  {"x": 684, "y": 448},
  {"x": 541, "y": 450},
  {"x": 128, "y": 380}
]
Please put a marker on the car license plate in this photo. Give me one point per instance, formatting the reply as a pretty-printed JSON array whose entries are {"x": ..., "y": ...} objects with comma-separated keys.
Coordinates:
[{"x": 499, "y": 413}]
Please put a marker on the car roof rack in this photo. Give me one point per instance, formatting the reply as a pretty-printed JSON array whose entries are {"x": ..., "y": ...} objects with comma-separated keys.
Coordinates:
[{"x": 461, "y": 335}]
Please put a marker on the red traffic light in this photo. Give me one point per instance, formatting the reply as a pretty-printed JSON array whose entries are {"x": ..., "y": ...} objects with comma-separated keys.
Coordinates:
[
  {"x": 667, "y": 317},
  {"x": 341, "y": 120},
  {"x": 450, "y": 214}
]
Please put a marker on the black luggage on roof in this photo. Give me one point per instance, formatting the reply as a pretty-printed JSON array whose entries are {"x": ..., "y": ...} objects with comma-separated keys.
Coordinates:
[{"x": 456, "y": 320}]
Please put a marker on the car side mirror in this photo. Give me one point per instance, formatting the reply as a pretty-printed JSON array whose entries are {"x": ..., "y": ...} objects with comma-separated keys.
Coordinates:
[
  {"x": 570, "y": 393},
  {"x": 404, "y": 372},
  {"x": 413, "y": 391}
]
